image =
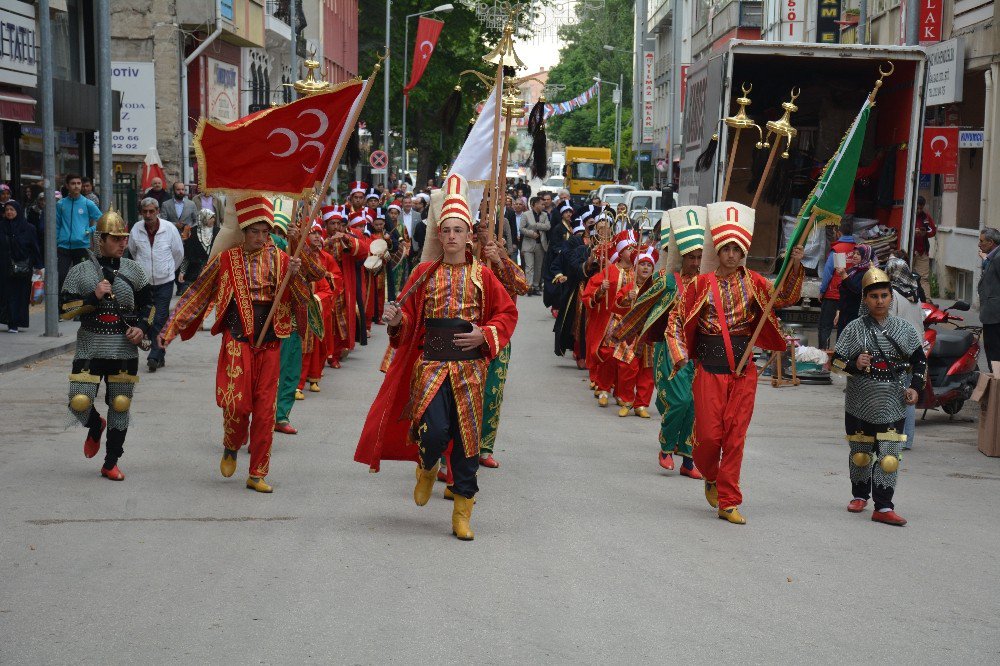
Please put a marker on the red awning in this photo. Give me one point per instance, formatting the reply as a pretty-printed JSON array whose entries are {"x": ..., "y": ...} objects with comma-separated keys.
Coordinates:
[{"x": 17, "y": 107}]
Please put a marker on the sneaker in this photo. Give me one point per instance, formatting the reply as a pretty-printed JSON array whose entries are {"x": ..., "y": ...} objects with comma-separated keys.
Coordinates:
[{"x": 13, "y": 329}]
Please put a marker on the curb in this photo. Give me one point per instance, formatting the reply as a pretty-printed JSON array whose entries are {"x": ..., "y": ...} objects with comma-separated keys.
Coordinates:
[{"x": 38, "y": 356}]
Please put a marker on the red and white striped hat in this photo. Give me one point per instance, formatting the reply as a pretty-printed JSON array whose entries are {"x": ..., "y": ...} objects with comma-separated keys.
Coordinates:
[
  {"x": 647, "y": 253},
  {"x": 396, "y": 205},
  {"x": 359, "y": 218},
  {"x": 253, "y": 209},
  {"x": 731, "y": 222},
  {"x": 331, "y": 213},
  {"x": 358, "y": 186},
  {"x": 318, "y": 227},
  {"x": 622, "y": 240},
  {"x": 456, "y": 205}
]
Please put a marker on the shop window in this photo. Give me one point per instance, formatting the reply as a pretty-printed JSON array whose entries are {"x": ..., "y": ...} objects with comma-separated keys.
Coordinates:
[
  {"x": 67, "y": 53},
  {"x": 963, "y": 284}
]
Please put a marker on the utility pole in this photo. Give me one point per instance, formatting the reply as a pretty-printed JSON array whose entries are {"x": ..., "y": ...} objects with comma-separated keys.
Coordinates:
[
  {"x": 294, "y": 56},
  {"x": 104, "y": 102},
  {"x": 385, "y": 109},
  {"x": 618, "y": 126},
  {"x": 912, "y": 22},
  {"x": 48, "y": 168},
  {"x": 598, "y": 99}
]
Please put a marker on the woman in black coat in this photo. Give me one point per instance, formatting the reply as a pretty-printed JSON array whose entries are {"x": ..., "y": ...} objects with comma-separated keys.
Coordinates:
[
  {"x": 19, "y": 256},
  {"x": 197, "y": 247}
]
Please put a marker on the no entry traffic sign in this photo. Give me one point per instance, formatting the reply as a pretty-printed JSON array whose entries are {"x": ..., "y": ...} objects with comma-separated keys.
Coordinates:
[{"x": 378, "y": 159}]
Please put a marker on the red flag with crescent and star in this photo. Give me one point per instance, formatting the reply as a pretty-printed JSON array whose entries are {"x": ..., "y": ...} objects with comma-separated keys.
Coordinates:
[
  {"x": 283, "y": 150},
  {"x": 428, "y": 31},
  {"x": 940, "y": 150}
]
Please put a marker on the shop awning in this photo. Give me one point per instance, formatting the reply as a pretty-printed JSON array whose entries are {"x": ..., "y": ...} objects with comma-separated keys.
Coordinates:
[{"x": 17, "y": 107}]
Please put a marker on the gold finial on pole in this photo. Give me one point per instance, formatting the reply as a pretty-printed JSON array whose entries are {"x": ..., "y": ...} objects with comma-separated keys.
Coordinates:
[
  {"x": 739, "y": 122},
  {"x": 783, "y": 126},
  {"x": 311, "y": 85},
  {"x": 503, "y": 54}
]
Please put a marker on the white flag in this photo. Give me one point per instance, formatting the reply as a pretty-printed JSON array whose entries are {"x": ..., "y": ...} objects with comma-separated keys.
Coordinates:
[{"x": 473, "y": 161}]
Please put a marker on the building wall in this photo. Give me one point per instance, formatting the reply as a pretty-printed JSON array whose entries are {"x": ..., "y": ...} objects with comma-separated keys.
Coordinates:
[{"x": 340, "y": 39}]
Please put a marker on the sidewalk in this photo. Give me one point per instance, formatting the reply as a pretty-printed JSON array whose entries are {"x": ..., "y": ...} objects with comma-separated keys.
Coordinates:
[{"x": 30, "y": 345}]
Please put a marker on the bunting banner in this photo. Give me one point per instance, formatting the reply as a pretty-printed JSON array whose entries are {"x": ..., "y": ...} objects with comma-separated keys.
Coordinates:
[
  {"x": 555, "y": 108},
  {"x": 428, "y": 31}
]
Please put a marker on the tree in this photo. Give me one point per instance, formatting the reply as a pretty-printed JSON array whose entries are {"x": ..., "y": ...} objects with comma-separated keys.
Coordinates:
[{"x": 462, "y": 44}]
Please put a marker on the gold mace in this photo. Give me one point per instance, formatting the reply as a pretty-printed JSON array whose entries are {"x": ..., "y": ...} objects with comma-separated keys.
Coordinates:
[
  {"x": 739, "y": 122},
  {"x": 781, "y": 128}
]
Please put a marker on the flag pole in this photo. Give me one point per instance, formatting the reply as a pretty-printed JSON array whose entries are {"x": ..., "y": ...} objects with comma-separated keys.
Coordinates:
[
  {"x": 494, "y": 176},
  {"x": 317, "y": 198}
]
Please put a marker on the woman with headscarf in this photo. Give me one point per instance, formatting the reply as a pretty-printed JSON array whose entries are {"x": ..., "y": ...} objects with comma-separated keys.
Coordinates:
[
  {"x": 198, "y": 246},
  {"x": 863, "y": 258},
  {"x": 906, "y": 305},
  {"x": 19, "y": 256}
]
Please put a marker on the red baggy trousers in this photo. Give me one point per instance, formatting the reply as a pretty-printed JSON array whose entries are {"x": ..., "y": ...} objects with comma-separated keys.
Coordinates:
[
  {"x": 723, "y": 406},
  {"x": 246, "y": 385}
]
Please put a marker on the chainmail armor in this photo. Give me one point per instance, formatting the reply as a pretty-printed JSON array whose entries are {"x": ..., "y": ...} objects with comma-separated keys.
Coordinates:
[{"x": 94, "y": 340}]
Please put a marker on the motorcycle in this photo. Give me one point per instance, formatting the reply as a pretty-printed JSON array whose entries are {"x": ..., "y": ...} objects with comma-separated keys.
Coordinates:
[{"x": 952, "y": 359}]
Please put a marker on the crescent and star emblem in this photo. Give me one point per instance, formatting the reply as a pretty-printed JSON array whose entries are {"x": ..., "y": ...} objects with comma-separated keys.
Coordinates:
[
  {"x": 944, "y": 140},
  {"x": 430, "y": 49},
  {"x": 294, "y": 139}
]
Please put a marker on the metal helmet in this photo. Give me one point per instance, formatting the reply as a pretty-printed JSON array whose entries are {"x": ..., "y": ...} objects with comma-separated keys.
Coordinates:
[
  {"x": 111, "y": 223},
  {"x": 874, "y": 277}
]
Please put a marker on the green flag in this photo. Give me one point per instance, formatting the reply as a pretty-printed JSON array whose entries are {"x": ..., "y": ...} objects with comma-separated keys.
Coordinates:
[{"x": 826, "y": 203}]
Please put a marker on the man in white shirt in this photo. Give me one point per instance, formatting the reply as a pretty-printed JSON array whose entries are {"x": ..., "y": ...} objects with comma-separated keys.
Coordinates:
[
  {"x": 409, "y": 216},
  {"x": 156, "y": 245}
]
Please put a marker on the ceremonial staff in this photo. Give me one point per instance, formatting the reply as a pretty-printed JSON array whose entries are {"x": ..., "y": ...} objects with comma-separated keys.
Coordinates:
[
  {"x": 827, "y": 201},
  {"x": 780, "y": 129},
  {"x": 740, "y": 122},
  {"x": 312, "y": 86}
]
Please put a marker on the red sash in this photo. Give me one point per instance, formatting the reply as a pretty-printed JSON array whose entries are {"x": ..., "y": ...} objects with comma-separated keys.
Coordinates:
[{"x": 723, "y": 324}]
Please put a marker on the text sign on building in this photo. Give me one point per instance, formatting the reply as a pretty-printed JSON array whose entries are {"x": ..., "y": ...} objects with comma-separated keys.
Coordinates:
[
  {"x": 18, "y": 43},
  {"x": 945, "y": 65},
  {"x": 971, "y": 138},
  {"x": 931, "y": 16},
  {"x": 136, "y": 82},
  {"x": 827, "y": 30},
  {"x": 793, "y": 21},
  {"x": 223, "y": 91},
  {"x": 648, "y": 74}
]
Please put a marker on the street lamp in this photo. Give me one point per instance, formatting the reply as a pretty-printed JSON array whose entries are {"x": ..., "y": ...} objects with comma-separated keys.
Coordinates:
[
  {"x": 618, "y": 116},
  {"x": 440, "y": 9}
]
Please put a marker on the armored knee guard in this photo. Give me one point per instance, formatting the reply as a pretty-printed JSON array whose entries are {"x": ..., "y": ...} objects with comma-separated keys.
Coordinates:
[
  {"x": 886, "y": 472},
  {"x": 119, "y": 399},
  {"x": 862, "y": 457},
  {"x": 82, "y": 394}
]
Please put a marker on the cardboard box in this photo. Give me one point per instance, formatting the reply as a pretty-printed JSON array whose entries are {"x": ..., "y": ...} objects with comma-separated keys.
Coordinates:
[{"x": 987, "y": 394}]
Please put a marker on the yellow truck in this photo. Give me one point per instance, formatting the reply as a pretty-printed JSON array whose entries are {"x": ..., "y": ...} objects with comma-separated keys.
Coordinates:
[{"x": 586, "y": 170}]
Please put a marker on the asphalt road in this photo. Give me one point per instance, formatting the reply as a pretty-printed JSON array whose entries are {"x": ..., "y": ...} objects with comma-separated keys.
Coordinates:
[{"x": 585, "y": 551}]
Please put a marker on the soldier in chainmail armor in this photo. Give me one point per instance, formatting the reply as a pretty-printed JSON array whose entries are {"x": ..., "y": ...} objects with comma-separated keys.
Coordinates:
[
  {"x": 112, "y": 299},
  {"x": 885, "y": 363}
]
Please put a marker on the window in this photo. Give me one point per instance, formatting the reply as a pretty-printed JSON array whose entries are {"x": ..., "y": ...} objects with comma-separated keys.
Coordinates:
[{"x": 588, "y": 171}]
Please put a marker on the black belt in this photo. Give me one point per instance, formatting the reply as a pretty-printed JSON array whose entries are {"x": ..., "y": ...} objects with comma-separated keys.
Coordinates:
[
  {"x": 710, "y": 350},
  {"x": 439, "y": 340},
  {"x": 235, "y": 324}
]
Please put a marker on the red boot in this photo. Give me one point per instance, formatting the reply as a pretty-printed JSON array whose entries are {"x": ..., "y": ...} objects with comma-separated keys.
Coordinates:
[
  {"x": 692, "y": 473},
  {"x": 489, "y": 461},
  {"x": 889, "y": 518},
  {"x": 285, "y": 429},
  {"x": 92, "y": 446},
  {"x": 666, "y": 461},
  {"x": 114, "y": 474},
  {"x": 857, "y": 505}
]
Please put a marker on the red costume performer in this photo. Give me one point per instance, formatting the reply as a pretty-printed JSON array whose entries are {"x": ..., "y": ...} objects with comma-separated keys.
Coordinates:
[
  {"x": 432, "y": 394},
  {"x": 633, "y": 355},
  {"x": 348, "y": 251},
  {"x": 712, "y": 322},
  {"x": 241, "y": 283},
  {"x": 601, "y": 317},
  {"x": 316, "y": 350}
]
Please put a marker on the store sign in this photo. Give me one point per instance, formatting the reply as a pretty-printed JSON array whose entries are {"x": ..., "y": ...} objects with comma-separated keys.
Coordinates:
[
  {"x": 18, "y": 43},
  {"x": 931, "y": 16},
  {"x": 137, "y": 84},
  {"x": 684, "y": 85},
  {"x": 827, "y": 30},
  {"x": 945, "y": 62},
  {"x": 223, "y": 91},
  {"x": 971, "y": 139},
  {"x": 648, "y": 74},
  {"x": 647, "y": 122},
  {"x": 793, "y": 21}
]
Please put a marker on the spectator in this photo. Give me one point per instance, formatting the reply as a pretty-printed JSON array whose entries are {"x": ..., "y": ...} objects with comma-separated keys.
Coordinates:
[
  {"x": 36, "y": 218},
  {"x": 180, "y": 210},
  {"x": 197, "y": 248},
  {"x": 156, "y": 245},
  {"x": 906, "y": 305},
  {"x": 75, "y": 218},
  {"x": 534, "y": 241},
  {"x": 420, "y": 204},
  {"x": 829, "y": 287},
  {"x": 408, "y": 216},
  {"x": 431, "y": 184},
  {"x": 546, "y": 203},
  {"x": 925, "y": 229},
  {"x": 595, "y": 201},
  {"x": 563, "y": 197},
  {"x": 511, "y": 234},
  {"x": 157, "y": 192},
  {"x": 87, "y": 190},
  {"x": 5, "y": 194},
  {"x": 989, "y": 292},
  {"x": 213, "y": 203},
  {"x": 18, "y": 257},
  {"x": 850, "y": 285},
  {"x": 522, "y": 188}
]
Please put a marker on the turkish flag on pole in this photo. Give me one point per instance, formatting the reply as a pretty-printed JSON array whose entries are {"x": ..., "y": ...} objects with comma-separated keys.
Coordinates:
[
  {"x": 152, "y": 168},
  {"x": 282, "y": 151},
  {"x": 428, "y": 31},
  {"x": 940, "y": 151}
]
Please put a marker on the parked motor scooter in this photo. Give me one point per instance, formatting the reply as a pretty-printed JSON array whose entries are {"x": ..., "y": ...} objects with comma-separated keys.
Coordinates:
[{"x": 952, "y": 359}]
